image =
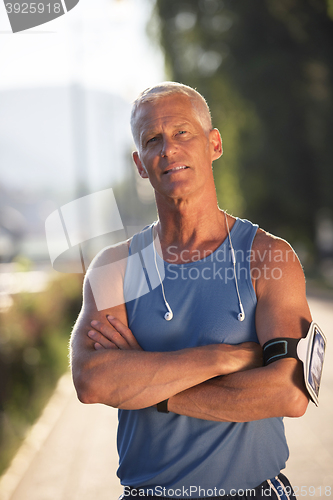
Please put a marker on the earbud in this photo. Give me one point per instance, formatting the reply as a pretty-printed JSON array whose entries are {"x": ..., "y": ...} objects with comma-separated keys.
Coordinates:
[
  {"x": 241, "y": 315},
  {"x": 169, "y": 315}
]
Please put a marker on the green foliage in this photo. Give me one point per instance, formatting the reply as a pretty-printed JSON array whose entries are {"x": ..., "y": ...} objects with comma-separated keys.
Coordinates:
[
  {"x": 265, "y": 68},
  {"x": 34, "y": 337},
  {"x": 330, "y": 8}
]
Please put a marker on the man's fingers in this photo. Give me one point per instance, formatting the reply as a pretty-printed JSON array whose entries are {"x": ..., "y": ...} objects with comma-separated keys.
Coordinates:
[
  {"x": 125, "y": 332},
  {"x": 98, "y": 346},
  {"x": 108, "y": 335},
  {"x": 99, "y": 339},
  {"x": 115, "y": 335}
]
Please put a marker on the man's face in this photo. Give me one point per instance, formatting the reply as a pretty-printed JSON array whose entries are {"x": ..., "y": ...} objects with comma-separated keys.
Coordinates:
[{"x": 175, "y": 152}]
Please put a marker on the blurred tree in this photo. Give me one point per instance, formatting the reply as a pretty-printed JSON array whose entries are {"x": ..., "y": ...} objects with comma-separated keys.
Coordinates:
[{"x": 265, "y": 67}]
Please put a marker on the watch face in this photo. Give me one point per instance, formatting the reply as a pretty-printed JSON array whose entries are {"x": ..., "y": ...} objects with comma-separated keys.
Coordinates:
[{"x": 316, "y": 361}]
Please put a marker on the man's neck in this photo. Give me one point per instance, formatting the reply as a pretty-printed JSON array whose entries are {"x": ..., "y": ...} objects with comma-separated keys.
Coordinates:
[{"x": 197, "y": 227}]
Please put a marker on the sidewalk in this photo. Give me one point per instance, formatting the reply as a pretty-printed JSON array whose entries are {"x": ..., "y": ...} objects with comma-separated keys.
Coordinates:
[{"x": 70, "y": 454}]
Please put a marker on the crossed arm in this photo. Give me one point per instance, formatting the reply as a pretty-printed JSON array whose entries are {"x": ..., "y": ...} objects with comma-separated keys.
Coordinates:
[
  {"x": 110, "y": 367},
  {"x": 215, "y": 382}
]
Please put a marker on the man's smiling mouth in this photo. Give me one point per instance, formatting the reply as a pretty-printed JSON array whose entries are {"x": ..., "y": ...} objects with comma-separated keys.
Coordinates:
[{"x": 175, "y": 169}]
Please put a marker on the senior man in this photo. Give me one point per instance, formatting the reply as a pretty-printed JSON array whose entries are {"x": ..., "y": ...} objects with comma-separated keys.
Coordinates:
[{"x": 199, "y": 414}]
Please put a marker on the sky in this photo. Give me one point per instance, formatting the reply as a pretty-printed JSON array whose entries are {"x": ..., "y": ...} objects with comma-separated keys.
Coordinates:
[
  {"x": 102, "y": 47},
  {"x": 100, "y": 43}
]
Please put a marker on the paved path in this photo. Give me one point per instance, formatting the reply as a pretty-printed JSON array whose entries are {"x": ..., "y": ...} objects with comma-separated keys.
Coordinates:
[{"x": 70, "y": 453}]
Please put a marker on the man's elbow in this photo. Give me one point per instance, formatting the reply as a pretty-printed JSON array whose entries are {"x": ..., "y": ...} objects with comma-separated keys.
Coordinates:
[
  {"x": 293, "y": 390},
  {"x": 84, "y": 395},
  {"x": 297, "y": 404},
  {"x": 82, "y": 387},
  {"x": 91, "y": 391}
]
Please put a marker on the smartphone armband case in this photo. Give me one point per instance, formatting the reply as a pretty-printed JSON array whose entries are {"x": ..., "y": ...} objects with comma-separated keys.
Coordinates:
[{"x": 310, "y": 350}]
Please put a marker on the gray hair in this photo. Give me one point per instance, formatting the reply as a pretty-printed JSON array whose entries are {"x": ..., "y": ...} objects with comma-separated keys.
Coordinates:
[{"x": 165, "y": 89}]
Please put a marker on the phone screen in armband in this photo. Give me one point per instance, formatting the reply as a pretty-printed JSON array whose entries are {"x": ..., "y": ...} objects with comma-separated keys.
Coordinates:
[{"x": 311, "y": 350}]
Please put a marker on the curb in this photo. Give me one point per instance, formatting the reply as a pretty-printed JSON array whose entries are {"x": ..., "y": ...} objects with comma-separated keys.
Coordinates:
[{"x": 36, "y": 437}]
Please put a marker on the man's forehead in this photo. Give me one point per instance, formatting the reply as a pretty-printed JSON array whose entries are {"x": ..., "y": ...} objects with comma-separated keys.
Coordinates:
[
  {"x": 176, "y": 108},
  {"x": 177, "y": 101}
]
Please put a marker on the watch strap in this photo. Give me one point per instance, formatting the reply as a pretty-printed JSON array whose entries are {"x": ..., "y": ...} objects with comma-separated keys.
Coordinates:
[{"x": 162, "y": 407}]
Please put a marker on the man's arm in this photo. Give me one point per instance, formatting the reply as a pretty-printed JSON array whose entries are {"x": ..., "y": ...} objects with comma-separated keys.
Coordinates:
[
  {"x": 109, "y": 366},
  {"x": 282, "y": 311},
  {"x": 272, "y": 391}
]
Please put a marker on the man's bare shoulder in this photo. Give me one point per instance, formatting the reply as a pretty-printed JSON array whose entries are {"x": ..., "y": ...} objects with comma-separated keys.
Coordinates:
[
  {"x": 275, "y": 266},
  {"x": 111, "y": 254},
  {"x": 268, "y": 248},
  {"x": 103, "y": 282}
]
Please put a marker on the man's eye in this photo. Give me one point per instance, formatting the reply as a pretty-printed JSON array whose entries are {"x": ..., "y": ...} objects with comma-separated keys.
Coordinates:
[
  {"x": 152, "y": 139},
  {"x": 181, "y": 132}
]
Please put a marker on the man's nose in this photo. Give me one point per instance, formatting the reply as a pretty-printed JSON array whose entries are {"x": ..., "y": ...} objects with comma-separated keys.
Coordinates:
[{"x": 168, "y": 146}]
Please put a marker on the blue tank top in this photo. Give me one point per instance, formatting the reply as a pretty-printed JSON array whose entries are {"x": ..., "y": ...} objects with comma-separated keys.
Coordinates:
[{"x": 175, "y": 451}]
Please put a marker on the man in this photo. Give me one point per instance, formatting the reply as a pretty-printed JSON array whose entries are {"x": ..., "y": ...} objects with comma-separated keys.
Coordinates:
[{"x": 199, "y": 414}]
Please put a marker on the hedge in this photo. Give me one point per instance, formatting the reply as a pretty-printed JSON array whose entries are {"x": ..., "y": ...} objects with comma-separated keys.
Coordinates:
[{"x": 34, "y": 336}]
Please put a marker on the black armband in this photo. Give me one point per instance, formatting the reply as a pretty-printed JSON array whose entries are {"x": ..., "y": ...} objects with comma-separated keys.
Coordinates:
[
  {"x": 278, "y": 348},
  {"x": 310, "y": 350}
]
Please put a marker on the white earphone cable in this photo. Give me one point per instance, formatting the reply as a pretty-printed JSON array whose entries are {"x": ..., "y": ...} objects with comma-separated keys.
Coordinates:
[
  {"x": 158, "y": 271},
  {"x": 169, "y": 314},
  {"x": 233, "y": 257}
]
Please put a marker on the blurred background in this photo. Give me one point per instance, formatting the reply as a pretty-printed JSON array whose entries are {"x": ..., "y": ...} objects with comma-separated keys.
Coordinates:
[{"x": 66, "y": 87}]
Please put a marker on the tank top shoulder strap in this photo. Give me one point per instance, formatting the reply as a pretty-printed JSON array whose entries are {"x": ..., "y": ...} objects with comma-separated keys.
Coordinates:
[
  {"x": 141, "y": 240},
  {"x": 243, "y": 234}
]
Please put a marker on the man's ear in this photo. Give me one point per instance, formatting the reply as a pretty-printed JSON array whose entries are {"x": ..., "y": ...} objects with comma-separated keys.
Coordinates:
[
  {"x": 216, "y": 143},
  {"x": 139, "y": 166}
]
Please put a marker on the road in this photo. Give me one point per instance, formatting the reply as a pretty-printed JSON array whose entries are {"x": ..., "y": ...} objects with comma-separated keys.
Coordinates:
[{"x": 70, "y": 453}]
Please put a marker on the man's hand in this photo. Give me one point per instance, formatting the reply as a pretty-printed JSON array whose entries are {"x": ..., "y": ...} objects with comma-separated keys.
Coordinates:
[
  {"x": 113, "y": 336},
  {"x": 246, "y": 356}
]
